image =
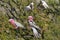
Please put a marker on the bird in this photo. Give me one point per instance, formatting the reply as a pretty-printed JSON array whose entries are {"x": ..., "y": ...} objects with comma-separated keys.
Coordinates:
[
  {"x": 16, "y": 24},
  {"x": 32, "y": 23},
  {"x": 45, "y": 5},
  {"x": 35, "y": 32},
  {"x": 30, "y": 6}
]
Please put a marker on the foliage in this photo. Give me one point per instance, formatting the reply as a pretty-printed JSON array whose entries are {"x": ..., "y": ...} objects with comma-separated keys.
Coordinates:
[{"x": 49, "y": 23}]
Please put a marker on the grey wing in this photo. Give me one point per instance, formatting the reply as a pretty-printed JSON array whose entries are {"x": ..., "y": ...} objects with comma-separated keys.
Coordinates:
[
  {"x": 37, "y": 27},
  {"x": 36, "y": 34},
  {"x": 34, "y": 25},
  {"x": 19, "y": 24}
]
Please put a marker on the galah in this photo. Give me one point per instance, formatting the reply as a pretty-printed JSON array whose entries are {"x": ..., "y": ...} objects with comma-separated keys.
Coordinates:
[
  {"x": 45, "y": 5},
  {"x": 32, "y": 23},
  {"x": 35, "y": 32},
  {"x": 30, "y": 6},
  {"x": 16, "y": 24}
]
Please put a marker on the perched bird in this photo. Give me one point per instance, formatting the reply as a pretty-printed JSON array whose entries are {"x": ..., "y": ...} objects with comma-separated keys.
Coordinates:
[
  {"x": 16, "y": 24},
  {"x": 32, "y": 23},
  {"x": 34, "y": 27},
  {"x": 36, "y": 34},
  {"x": 30, "y": 6},
  {"x": 45, "y": 5}
]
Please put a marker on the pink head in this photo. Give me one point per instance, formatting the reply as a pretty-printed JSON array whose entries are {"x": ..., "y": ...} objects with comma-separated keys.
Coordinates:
[
  {"x": 30, "y": 18},
  {"x": 11, "y": 21}
]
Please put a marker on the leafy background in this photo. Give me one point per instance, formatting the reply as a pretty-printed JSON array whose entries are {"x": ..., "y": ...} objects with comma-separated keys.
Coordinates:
[{"x": 48, "y": 20}]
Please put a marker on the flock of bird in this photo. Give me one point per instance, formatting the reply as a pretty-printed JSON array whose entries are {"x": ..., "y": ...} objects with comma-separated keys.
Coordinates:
[
  {"x": 31, "y": 22},
  {"x": 32, "y": 25}
]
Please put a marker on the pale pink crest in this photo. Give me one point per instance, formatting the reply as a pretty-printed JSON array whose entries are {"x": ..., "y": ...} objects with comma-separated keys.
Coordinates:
[
  {"x": 30, "y": 18},
  {"x": 11, "y": 21}
]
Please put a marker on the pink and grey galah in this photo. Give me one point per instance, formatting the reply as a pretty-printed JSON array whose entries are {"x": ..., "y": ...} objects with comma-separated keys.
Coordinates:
[
  {"x": 16, "y": 24},
  {"x": 32, "y": 23},
  {"x": 34, "y": 27}
]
